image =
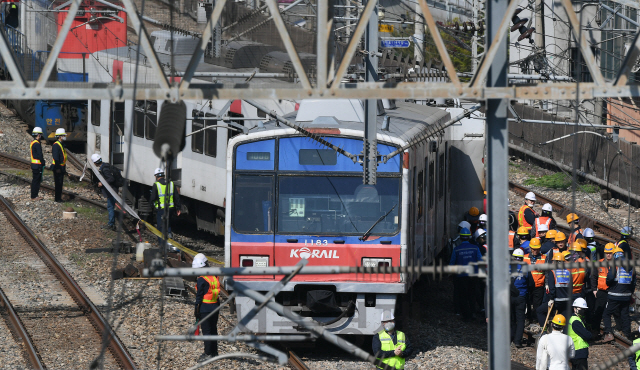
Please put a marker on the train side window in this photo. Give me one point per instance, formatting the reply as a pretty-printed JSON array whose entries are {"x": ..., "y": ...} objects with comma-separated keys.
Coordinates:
[
  {"x": 95, "y": 112},
  {"x": 138, "y": 119},
  {"x": 431, "y": 184},
  {"x": 420, "y": 191},
  {"x": 441, "y": 174},
  {"x": 151, "y": 120},
  {"x": 197, "y": 140},
  {"x": 233, "y": 133},
  {"x": 210, "y": 138}
]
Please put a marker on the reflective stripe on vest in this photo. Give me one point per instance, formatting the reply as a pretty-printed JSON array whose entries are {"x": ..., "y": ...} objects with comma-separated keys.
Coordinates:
[
  {"x": 64, "y": 154},
  {"x": 578, "y": 276},
  {"x": 578, "y": 342},
  {"x": 386, "y": 344},
  {"x": 574, "y": 234},
  {"x": 538, "y": 276},
  {"x": 540, "y": 222},
  {"x": 214, "y": 289},
  {"x": 521, "y": 220},
  {"x": 602, "y": 277},
  {"x": 33, "y": 160},
  {"x": 159, "y": 203}
]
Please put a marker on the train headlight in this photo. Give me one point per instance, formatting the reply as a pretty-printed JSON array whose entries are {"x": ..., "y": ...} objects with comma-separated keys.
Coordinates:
[
  {"x": 254, "y": 261},
  {"x": 376, "y": 262}
]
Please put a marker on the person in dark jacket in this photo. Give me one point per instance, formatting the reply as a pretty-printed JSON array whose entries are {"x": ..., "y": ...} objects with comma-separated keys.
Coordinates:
[
  {"x": 37, "y": 163},
  {"x": 559, "y": 283},
  {"x": 106, "y": 171},
  {"x": 12, "y": 17},
  {"x": 396, "y": 347},
  {"x": 463, "y": 285},
  {"x": 161, "y": 193},
  {"x": 621, "y": 284},
  {"x": 519, "y": 303},
  {"x": 580, "y": 335},
  {"x": 59, "y": 154},
  {"x": 623, "y": 244},
  {"x": 207, "y": 293}
]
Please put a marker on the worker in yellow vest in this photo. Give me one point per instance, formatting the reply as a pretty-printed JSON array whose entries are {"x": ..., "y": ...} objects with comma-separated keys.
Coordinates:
[
  {"x": 580, "y": 335},
  {"x": 59, "y": 154},
  {"x": 634, "y": 359},
  {"x": 164, "y": 192},
  {"x": 207, "y": 307},
  {"x": 390, "y": 346},
  {"x": 37, "y": 163}
]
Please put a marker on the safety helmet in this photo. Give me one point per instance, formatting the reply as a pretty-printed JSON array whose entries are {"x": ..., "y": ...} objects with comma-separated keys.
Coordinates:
[
  {"x": 543, "y": 228},
  {"x": 158, "y": 171},
  {"x": 36, "y": 131},
  {"x": 483, "y": 217},
  {"x": 626, "y": 231},
  {"x": 95, "y": 158},
  {"x": 530, "y": 196},
  {"x": 473, "y": 211},
  {"x": 558, "y": 257},
  {"x": 479, "y": 233},
  {"x": 609, "y": 248},
  {"x": 13, "y": 6},
  {"x": 580, "y": 303},
  {"x": 582, "y": 242},
  {"x": 560, "y": 236},
  {"x": 575, "y": 246},
  {"x": 618, "y": 255},
  {"x": 559, "y": 320},
  {"x": 386, "y": 316},
  {"x": 534, "y": 243},
  {"x": 518, "y": 253},
  {"x": 465, "y": 232},
  {"x": 547, "y": 207},
  {"x": 565, "y": 254},
  {"x": 588, "y": 233},
  {"x": 523, "y": 231},
  {"x": 551, "y": 234},
  {"x": 61, "y": 132},
  {"x": 572, "y": 217},
  {"x": 464, "y": 224},
  {"x": 617, "y": 249},
  {"x": 199, "y": 261}
]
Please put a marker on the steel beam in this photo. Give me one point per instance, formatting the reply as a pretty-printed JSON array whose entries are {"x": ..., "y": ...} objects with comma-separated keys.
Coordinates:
[
  {"x": 8, "y": 57},
  {"x": 322, "y": 43},
  {"x": 629, "y": 60},
  {"x": 370, "y": 142}
]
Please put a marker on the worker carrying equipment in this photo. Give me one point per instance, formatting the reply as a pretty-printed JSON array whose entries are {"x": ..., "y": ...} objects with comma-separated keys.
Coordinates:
[{"x": 554, "y": 349}]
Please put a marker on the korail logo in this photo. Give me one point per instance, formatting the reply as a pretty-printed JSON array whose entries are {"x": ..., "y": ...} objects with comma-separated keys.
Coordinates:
[{"x": 306, "y": 253}]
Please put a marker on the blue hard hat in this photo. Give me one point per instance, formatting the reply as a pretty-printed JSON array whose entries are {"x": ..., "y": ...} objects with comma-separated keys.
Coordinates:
[
  {"x": 465, "y": 232},
  {"x": 618, "y": 255}
]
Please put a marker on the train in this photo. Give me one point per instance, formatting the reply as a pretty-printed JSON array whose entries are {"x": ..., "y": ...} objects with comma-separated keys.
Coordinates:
[{"x": 291, "y": 198}]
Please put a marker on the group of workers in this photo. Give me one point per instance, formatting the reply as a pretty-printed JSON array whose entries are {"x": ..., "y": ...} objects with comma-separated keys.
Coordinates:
[
  {"x": 59, "y": 163},
  {"x": 590, "y": 296}
]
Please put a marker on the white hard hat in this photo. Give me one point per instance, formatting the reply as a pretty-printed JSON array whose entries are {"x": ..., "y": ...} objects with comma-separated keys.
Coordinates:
[
  {"x": 530, "y": 196},
  {"x": 547, "y": 207},
  {"x": 95, "y": 157},
  {"x": 478, "y": 233},
  {"x": 386, "y": 316},
  {"x": 580, "y": 303},
  {"x": 518, "y": 252},
  {"x": 483, "y": 217},
  {"x": 464, "y": 225},
  {"x": 543, "y": 227},
  {"x": 36, "y": 130},
  {"x": 588, "y": 233},
  {"x": 199, "y": 261},
  {"x": 61, "y": 132},
  {"x": 158, "y": 171}
]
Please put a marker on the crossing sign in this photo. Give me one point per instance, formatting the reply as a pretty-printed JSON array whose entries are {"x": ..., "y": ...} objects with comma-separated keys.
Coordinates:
[{"x": 395, "y": 43}]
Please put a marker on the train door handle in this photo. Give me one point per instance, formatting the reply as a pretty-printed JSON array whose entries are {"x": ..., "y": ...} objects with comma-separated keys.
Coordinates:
[{"x": 292, "y": 240}]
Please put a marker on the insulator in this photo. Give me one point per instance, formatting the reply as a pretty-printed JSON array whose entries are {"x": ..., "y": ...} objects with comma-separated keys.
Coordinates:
[
  {"x": 517, "y": 23},
  {"x": 170, "y": 133},
  {"x": 517, "y": 11},
  {"x": 526, "y": 34}
]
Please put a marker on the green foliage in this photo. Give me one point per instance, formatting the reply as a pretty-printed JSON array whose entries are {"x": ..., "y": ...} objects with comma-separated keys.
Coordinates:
[
  {"x": 558, "y": 181},
  {"x": 589, "y": 188}
]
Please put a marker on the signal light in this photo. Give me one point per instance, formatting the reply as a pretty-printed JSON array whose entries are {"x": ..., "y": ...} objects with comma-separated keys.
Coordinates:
[{"x": 247, "y": 263}]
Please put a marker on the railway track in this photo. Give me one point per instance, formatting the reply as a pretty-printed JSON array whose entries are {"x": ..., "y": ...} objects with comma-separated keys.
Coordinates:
[
  {"x": 296, "y": 363},
  {"x": 22, "y": 164},
  {"x": 63, "y": 324}
]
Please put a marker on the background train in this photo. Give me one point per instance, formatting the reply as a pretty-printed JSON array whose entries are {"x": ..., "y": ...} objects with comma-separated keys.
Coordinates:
[{"x": 289, "y": 197}]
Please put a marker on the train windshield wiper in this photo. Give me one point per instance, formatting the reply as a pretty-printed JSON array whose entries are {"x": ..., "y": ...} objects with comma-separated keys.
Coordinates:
[{"x": 366, "y": 234}]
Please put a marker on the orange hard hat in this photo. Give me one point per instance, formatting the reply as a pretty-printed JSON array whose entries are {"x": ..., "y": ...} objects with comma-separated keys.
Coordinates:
[
  {"x": 473, "y": 211},
  {"x": 534, "y": 243},
  {"x": 558, "y": 257},
  {"x": 575, "y": 246},
  {"x": 560, "y": 237},
  {"x": 572, "y": 217},
  {"x": 559, "y": 320},
  {"x": 523, "y": 231},
  {"x": 551, "y": 234},
  {"x": 582, "y": 242}
]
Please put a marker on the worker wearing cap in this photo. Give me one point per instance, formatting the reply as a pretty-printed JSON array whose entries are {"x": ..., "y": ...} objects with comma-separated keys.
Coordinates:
[
  {"x": 391, "y": 347},
  {"x": 622, "y": 283},
  {"x": 555, "y": 349},
  {"x": 580, "y": 335},
  {"x": 472, "y": 217},
  {"x": 462, "y": 225},
  {"x": 546, "y": 219},
  {"x": 574, "y": 224},
  {"x": 623, "y": 243},
  {"x": 559, "y": 288},
  {"x": 520, "y": 281},
  {"x": 164, "y": 195},
  {"x": 207, "y": 292},
  {"x": 524, "y": 237},
  {"x": 37, "y": 163},
  {"x": 634, "y": 359},
  {"x": 561, "y": 245},
  {"x": 548, "y": 242},
  {"x": 596, "y": 249},
  {"x": 463, "y": 285},
  {"x": 108, "y": 172},
  {"x": 526, "y": 215},
  {"x": 536, "y": 278},
  {"x": 59, "y": 154},
  {"x": 599, "y": 281}
]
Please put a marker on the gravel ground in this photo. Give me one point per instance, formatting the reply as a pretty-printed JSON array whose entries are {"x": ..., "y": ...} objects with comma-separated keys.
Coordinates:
[{"x": 10, "y": 349}]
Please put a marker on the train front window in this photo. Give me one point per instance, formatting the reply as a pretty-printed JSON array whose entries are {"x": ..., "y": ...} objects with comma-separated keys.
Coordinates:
[
  {"x": 337, "y": 205},
  {"x": 253, "y": 204}
]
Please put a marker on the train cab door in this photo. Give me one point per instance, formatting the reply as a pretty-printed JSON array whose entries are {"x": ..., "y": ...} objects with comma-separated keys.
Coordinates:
[{"x": 116, "y": 134}]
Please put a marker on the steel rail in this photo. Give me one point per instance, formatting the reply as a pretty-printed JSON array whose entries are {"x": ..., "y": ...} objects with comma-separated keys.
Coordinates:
[
  {"x": 295, "y": 362},
  {"x": 24, "y": 164},
  {"x": 21, "y": 332},
  {"x": 116, "y": 347}
]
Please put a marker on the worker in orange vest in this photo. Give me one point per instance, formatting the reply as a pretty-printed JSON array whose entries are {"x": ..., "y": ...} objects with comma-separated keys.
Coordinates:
[
  {"x": 546, "y": 219},
  {"x": 536, "y": 277},
  {"x": 599, "y": 282},
  {"x": 526, "y": 215},
  {"x": 580, "y": 276},
  {"x": 514, "y": 242},
  {"x": 574, "y": 224},
  {"x": 561, "y": 246},
  {"x": 548, "y": 242},
  {"x": 207, "y": 307}
]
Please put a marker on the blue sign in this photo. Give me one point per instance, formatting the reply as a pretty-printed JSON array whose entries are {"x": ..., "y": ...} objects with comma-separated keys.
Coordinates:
[{"x": 395, "y": 43}]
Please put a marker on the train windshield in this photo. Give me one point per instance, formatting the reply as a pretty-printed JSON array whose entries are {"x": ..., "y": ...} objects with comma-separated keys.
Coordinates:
[{"x": 337, "y": 205}]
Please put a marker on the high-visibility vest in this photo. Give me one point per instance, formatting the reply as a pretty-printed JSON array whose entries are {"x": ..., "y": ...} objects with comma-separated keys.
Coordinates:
[
  {"x": 214, "y": 289},
  {"x": 512, "y": 234},
  {"x": 542, "y": 221},
  {"x": 636, "y": 341},
  {"x": 578, "y": 276},
  {"x": 33, "y": 160},
  {"x": 538, "y": 276},
  {"x": 602, "y": 277},
  {"x": 574, "y": 234},
  {"x": 386, "y": 344},
  {"x": 562, "y": 280},
  {"x": 162, "y": 195},
  {"x": 64, "y": 153},
  {"x": 578, "y": 342},
  {"x": 623, "y": 277},
  {"x": 521, "y": 220}
]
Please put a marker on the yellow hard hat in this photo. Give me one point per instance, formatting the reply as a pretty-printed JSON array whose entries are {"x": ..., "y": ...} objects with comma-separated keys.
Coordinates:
[
  {"x": 558, "y": 257},
  {"x": 559, "y": 320},
  {"x": 582, "y": 242},
  {"x": 572, "y": 217},
  {"x": 534, "y": 243},
  {"x": 575, "y": 246},
  {"x": 565, "y": 254},
  {"x": 551, "y": 234},
  {"x": 523, "y": 231},
  {"x": 609, "y": 248},
  {"x": 560, "y": 236},
  {"x": 473, "y": 211},
  {"x": 617, "y": 249}
]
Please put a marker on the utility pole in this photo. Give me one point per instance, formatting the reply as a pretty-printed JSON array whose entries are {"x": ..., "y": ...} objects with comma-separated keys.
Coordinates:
[
  {"x": 370, "y": 144},
  {"x": 347, "y": 15},
  {"x": 474, "y": 39},
  {"x": 418, "y": 31},
  {"x": 540, "y": 26}
]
